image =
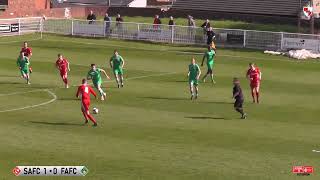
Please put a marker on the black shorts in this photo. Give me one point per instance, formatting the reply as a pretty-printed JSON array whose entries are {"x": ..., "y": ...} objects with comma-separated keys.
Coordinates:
[{"x": 238, "y": 103}]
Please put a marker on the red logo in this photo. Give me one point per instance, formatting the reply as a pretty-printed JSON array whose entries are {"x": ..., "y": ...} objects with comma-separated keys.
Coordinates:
[
  {"x": 302, "y": 169},
  {"x": 308, "y": 11},
  {"x": 16, "y": 171}
]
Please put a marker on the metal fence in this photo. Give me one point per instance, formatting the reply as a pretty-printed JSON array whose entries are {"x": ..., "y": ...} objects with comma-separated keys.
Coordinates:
[
  {"x": 19, "y": 26},
  {"x": 232, "y": 38}
]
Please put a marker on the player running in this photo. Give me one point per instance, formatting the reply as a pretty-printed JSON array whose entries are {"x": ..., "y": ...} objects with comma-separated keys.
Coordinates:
[
  {"x": 194, "y": 75},
  {"x": 238, "y": 96},
  {"x": 95, "y": 75},
  {"x": 23, "y": 64},
  {"x": 209, "y": 55},
  {"x": 62, "y": 65},
  {"x": 27, "y": 52},
  {"x": 117, "y": 64},
  {"x": 254, "y": 75},
  {"x": 84, "y": 92}
]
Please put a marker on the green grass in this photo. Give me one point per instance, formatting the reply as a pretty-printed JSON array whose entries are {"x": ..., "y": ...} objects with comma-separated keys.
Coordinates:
[
  {"x": 150, "y": 129},
  {"x": 227, "y": 24}
]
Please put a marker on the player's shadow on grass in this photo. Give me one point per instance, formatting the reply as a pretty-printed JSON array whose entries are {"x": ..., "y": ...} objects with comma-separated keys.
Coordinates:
[
  {"x": 204, "y": 117},
  {"x": 56, "y": 123},
  {"x": 166, "y": 98}
]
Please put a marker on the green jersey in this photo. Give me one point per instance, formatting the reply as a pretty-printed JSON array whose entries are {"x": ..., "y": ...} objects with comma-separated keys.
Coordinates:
[
  {"x": 117, "y": 61},
  {"x": 95, "y": 75},
  {"x": 23, "y": 63},
  {"x": 194, "y": 71},
  {"x": 210, "y": 56}
]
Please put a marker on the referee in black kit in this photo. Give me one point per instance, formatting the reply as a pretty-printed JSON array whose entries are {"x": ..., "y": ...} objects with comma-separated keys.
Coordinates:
[{"x": 238, "y": 96}]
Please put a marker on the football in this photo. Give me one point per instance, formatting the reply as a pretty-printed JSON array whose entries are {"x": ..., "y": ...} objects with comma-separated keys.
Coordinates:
[{"x": 95, "y": 110}]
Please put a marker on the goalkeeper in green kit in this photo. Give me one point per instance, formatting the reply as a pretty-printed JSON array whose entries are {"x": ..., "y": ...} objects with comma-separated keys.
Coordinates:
[
  {"x": 95, "y": 75},
  {"x": 209, "y": 55},
  {"x": 117, "y": 63},
  {"x": 23, "y": 64}
]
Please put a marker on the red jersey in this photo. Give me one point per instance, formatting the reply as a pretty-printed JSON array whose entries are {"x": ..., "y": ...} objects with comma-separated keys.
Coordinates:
[
  {"x": 84, "y": 91},
  {"x": 254, "y": 75},
  {"x": 27, "y": 51},
  {"x": 62, "y": 65}
]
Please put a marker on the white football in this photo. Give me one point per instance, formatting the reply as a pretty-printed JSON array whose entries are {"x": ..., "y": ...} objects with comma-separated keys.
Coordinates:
[{"x": 95, "y": 110}]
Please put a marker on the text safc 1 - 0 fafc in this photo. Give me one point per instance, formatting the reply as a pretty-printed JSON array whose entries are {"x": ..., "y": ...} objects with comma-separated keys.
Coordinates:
[{"x": 50, "y": 171}]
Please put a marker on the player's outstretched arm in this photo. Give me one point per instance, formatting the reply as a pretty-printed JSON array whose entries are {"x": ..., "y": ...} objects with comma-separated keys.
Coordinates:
[
  {"x": 78, "y": 92},
  {"x": 204, "y": 57},
  {"x": 105, "y": 73},
  {"x": 68, "y": 64},
  {"x": 111, "y": 64},
  {"x": 199, "y": 74},
  {"x": 122, "y": 62}
]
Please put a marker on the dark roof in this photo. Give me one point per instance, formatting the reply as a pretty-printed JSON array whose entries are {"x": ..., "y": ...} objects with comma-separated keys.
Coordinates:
[{"x": 264, "y": 7}]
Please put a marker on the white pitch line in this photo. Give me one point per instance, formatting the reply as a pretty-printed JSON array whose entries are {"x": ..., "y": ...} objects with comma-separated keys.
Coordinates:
[
  {"x": 54, "y": 98},
  {"x": 22, "y": 92}
]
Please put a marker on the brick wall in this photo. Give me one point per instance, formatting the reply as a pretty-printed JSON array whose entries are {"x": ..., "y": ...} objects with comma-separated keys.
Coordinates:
[{"x": 29, "y": 8}]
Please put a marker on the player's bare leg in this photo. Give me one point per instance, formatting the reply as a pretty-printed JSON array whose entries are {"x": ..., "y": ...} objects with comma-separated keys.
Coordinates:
[
  {"x": 253, "y": 95},
  {"x": 65, "y": 80},
  {"x": 27, "y": 78},
  {"x": 197, "y": 90},
  {"x": 212, "y": 80},
  {"x": 191, "y": 91},
  {"x": 257, "y": 89},
  {"x": 204, "y": 77},
  {"x": 121, "y": 80},
  {"x": 117, "y": 80}
]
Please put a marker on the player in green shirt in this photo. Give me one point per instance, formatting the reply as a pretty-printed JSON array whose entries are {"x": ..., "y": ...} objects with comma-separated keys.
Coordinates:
[
  {"x": 23, "y": 64},
  {"x": 95, "y": 75},
  {"x": 194, "y": 75},
  {"x": 117, "y": 63},
  {"x": 209, "y": 55}
]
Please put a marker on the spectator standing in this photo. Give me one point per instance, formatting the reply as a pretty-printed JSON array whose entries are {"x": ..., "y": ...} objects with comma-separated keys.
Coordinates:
[
  {"x": 191, "y": 29},
  {"x": 156, "y": 22},
  {"x": 162, "y": 13},
  {"x": 210, "y": 35},
  {"x": 107, "y": 20},
  {"x": 119, "y": 21},
  {"x": 206, "y": 25},
  {"x": 171, "y": 23},
  {"x": 91, "y": 17}
]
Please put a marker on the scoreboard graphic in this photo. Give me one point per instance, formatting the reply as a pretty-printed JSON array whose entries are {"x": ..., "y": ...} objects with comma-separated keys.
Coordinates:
[{"x": 50, "y": 171}]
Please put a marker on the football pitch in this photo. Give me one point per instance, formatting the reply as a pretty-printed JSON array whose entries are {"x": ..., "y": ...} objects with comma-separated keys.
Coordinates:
[{"x": 150, "y": 129}]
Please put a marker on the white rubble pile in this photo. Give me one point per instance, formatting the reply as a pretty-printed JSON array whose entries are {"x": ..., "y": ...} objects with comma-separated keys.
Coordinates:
[{"x": 296, "y": 54}]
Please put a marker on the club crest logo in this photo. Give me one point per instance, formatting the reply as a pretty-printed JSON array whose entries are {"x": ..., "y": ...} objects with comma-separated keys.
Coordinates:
[{"x": 308, "y": 11}]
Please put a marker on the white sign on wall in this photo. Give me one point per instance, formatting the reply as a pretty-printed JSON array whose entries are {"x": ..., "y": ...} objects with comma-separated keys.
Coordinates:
[{"x": 298, "y": 43}]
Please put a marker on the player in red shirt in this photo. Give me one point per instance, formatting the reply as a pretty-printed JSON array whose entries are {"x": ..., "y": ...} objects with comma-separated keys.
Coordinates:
[
  {"x": 62, "y": 65},
  {"x": 27, "y": 52},
  {"x": 254, "y": 75},
  {"x": 84, "y": 92}
]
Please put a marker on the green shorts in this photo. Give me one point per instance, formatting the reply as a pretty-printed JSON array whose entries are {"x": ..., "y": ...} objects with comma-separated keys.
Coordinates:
[
  {"x": 118, "y": 71},
  {"x": 210, "y": 66},
  {"x": 24, "y": 72},
  {"x": 96, "y": 84},
  {"x": 193, "y": 82}
]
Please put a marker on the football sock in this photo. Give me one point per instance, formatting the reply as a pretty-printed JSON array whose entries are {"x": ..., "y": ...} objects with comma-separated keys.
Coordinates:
[
  {"x": 240, "y": 110},
  {"x": 92, "y": 118},
  {"x": 257, "y": 94},
  {"x": 85, "y": 115}
]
